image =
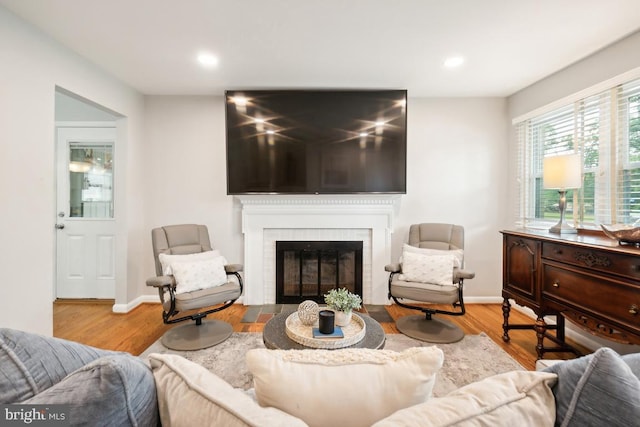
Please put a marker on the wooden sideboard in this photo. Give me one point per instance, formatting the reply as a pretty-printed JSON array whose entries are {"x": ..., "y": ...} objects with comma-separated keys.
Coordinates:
[{"x": 590, "y": 280}]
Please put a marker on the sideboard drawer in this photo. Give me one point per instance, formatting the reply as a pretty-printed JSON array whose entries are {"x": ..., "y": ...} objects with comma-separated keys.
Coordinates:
[
  {"x": 607, "y": 262},
  {"x": 606, "y": 298}
]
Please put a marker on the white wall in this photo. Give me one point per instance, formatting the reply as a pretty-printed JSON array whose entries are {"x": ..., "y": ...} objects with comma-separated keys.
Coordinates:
[
  {"x": 70, "y": 109},
  {"x": 610, "y": 62},
  {"x": 32, "y": 66},
  {"x": 172, "y": 169},
  {"x": 185, "y": 164},
  {"x": 605, "y": 64},
  {"x": 457, "y": 149},
  {"x": 456, "y": 157}
]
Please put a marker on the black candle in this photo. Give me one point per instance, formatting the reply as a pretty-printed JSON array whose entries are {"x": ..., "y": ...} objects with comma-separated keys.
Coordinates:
[{"x": 326, "y": 321}]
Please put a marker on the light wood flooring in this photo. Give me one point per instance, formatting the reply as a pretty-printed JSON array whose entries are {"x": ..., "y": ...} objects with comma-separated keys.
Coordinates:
[{"x": 93, "y": 323}]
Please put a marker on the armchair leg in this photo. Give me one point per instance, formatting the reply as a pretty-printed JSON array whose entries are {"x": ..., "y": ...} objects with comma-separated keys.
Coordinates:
[
  {"x": 193, "y": 336},
  {"x": 434, "y": 330}
]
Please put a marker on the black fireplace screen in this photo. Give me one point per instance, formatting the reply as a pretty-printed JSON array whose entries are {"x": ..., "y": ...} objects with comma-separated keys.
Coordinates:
[{"x": 308, "y": 270}]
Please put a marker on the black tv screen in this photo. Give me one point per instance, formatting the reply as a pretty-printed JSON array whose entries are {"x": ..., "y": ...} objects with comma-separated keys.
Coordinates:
[{"x": 316, "y": 141}]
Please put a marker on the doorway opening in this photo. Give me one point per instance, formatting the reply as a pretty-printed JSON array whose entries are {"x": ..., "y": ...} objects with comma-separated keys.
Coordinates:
[{"x": 85, "y": 216}]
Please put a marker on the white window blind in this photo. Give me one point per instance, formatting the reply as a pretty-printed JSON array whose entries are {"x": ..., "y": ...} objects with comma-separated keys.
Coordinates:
[
  {"x": 605, "y": 130},
  {"x": 628, "y": 153}
]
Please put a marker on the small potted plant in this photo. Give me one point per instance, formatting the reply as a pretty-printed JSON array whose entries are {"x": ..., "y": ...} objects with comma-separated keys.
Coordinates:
[{"x": 342, "y": 302}]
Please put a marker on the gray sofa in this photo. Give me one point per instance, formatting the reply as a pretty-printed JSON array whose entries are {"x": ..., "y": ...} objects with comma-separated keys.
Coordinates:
[
  {"x": 106, "y": 388},
  {"x": 88, "y": 386},
  {"x": 601, "y": 389}
]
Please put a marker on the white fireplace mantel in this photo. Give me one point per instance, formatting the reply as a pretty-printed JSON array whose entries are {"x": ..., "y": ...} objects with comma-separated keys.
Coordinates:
[{"x": 295, "y": 217}]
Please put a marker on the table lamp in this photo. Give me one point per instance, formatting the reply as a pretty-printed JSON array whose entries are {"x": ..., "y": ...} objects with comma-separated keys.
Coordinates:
[{"x": 562, "y": 172}]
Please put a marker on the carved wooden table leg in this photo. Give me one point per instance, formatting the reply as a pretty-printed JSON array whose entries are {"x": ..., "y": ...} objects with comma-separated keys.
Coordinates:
[
  {"x": 541, "y": 330},
  {"x": 506, "y": 309}
]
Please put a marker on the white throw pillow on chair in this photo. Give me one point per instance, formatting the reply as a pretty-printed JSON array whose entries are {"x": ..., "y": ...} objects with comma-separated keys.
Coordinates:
[
  {"x": 166, "y": 260},
  {"x": 458, "y": 253},
  {"x": 203, "y": 274},
  {"x": 435, "y": 269}
]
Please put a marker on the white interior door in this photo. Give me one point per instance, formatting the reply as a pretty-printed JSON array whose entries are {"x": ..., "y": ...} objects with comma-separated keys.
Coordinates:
[{"x": 85, "y": 222}]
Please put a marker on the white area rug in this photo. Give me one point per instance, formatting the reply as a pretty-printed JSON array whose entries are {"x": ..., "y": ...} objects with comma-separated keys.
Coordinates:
[{"x": 469, "y": 360}]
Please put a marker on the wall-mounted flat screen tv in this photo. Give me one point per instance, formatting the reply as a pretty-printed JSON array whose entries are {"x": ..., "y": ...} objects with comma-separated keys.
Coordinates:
[{"x": 316, "y": 141}]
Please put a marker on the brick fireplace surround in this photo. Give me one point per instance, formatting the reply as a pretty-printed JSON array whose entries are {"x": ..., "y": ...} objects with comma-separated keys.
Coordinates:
[{"x": 267, "y": 219}]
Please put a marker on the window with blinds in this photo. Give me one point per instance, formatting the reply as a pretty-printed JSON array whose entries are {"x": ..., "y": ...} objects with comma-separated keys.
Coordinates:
[
  {"x": 605, "y": 130},
  {"x": 627, "y": 186}
]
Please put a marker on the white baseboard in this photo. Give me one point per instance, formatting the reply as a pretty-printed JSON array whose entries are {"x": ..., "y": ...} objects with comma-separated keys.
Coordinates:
[
  {"x": 125, "y": 308},
  {"x": 482, "y": 300},
  {"x": 467, "y": 300},
  {"x": 145, "y": 299},
  {"x": 581, "y": 337},
  {"x": 577, "y": 336}
]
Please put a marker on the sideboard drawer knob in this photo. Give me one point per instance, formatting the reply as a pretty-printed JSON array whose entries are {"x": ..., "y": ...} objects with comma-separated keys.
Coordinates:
[
  {"x": 556, "y": 285},
  {"x": 635, "y": 267},
  {"x": 633, "y": 309}
]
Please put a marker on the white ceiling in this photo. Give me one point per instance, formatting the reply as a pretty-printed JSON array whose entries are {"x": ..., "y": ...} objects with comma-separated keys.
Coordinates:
[{"x": 398, "y": 44}]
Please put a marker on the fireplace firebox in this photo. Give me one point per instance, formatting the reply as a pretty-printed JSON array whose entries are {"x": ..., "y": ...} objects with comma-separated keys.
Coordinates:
[{"x": 306, "y": 270}]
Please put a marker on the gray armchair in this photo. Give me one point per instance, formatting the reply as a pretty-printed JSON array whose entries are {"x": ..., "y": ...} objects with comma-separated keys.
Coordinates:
[
  {"x": 196, "y": 304},
  {"x": 440, "y": 240}
]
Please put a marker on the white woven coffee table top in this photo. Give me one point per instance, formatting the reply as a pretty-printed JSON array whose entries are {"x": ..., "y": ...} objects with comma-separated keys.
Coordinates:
[{"x": 303, "y": 334}]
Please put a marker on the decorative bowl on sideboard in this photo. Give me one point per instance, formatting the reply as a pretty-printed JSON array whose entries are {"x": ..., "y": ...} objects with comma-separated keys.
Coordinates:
[{"x": 623, "y": 233}]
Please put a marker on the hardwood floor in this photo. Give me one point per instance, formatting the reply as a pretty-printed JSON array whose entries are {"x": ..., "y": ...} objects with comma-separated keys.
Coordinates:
[{"x": 94, "y": 323}]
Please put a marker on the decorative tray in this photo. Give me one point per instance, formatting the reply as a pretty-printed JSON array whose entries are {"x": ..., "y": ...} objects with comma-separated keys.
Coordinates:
[
  {"x": 302, "y": 334},
  {"x": 629, "y": 234}
]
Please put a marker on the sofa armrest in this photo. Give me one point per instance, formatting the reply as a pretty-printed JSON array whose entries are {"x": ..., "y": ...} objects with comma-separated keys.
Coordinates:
[
  {"x": 542, "y": 364},
  {"x": 117, "y": 390}
]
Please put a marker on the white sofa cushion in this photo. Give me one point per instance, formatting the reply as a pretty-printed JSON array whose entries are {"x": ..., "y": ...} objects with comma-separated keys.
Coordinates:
[
  {"x": 348, "y": 387},
  {"x": 515, "y": 398},
  {"x": 190, "y": 395}
]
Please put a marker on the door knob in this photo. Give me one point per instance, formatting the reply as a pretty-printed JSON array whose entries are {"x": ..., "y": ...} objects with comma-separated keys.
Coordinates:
[{"x": 59, "y": 226}]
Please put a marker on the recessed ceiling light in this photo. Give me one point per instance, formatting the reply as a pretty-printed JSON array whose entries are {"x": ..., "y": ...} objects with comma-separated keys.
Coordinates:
[
  {"x": 363, "y": 134},
  {"x": 207, "y": 60},
  {"x": 271, "y": 132},
  {"x": 453, "y": 61}
]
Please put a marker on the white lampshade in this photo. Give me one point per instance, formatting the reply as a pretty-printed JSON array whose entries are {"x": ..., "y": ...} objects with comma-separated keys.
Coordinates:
[{"x": 562, "y": 172}]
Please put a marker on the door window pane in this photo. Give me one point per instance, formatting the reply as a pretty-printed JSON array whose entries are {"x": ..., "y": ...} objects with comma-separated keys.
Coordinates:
[{"x": 90, "y": 180}]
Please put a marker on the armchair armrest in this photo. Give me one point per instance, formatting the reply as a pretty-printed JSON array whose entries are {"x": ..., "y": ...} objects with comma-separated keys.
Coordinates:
[
  {"x": 462, "y": 274},
  {"x": 161, "y": 281},
  {"x": 393, "y": 268},
  {"x": 233, "y": 268}
]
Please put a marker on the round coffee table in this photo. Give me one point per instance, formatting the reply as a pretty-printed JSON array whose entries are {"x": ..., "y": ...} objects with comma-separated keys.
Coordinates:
[{"x": 275, "y": 336}]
